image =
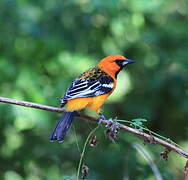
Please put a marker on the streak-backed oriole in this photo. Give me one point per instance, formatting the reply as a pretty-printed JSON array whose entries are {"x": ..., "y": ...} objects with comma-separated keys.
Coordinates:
[{"x": 90, "y": 89}]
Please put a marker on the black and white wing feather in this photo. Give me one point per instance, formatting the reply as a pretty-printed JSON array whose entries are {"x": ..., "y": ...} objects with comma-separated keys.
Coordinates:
[{"x": 93, "y": 82}]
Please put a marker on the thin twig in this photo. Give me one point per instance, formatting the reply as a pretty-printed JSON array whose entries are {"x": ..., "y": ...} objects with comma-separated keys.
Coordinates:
[
  {"x": 149, "y": 159},
  {"x": 83, "y": 151},
  {"x": 136, "y": 132}
]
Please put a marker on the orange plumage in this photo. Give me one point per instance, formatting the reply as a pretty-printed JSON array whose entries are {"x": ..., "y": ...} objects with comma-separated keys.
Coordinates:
[
  {"x": 90, "y": 90},
  {"x": 93, "y": 103}
]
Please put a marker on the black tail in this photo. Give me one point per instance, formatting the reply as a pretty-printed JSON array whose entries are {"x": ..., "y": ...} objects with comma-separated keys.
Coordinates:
[{"x": 63, "y": 126}]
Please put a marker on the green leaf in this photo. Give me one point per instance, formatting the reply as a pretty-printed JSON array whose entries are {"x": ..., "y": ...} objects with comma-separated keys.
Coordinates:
[{"x": 138, "y": 122}]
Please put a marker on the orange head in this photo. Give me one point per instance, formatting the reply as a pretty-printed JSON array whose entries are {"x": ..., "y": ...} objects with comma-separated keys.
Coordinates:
[{"x": 113, "y": 64}]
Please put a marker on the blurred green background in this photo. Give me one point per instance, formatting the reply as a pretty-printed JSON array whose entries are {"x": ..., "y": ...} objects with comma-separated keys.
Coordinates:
[{"x": 44, "y": 45}]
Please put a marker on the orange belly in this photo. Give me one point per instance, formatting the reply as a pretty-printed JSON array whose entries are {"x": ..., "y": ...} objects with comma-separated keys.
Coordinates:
[{"x": 93, "y": 103}]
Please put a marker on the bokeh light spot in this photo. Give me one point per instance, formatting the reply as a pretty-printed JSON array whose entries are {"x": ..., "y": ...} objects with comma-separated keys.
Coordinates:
[{"x": 124, "y": 86}]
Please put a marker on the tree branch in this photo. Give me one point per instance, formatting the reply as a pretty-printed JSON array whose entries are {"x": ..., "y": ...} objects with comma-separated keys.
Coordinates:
[{"x": 137, "y": 132}]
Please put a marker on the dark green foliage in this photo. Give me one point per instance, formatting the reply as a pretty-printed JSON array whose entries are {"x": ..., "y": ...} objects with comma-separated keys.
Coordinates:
[{"x": 44, "y": 45}]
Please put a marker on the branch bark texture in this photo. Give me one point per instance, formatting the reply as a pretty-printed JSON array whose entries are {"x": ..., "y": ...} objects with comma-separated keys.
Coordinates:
[{"x": 137, "y": 132}]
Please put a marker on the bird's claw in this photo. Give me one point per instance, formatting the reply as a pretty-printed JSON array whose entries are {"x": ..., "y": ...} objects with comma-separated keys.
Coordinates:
[{"x": 112, "y": 128}]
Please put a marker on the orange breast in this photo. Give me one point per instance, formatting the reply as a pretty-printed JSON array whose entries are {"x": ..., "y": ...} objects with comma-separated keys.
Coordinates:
[
  {"x": 97, "y": 102},
  {"x": 93, "y": 103}
]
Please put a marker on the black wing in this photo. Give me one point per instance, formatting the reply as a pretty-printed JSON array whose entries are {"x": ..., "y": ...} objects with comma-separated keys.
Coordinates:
[{"x": 89, "y": 87}]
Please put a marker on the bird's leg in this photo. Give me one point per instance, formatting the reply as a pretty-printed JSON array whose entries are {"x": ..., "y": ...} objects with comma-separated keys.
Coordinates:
[
  {"x": 112, "y": 128},
  {"x": 101, "y": 118}
]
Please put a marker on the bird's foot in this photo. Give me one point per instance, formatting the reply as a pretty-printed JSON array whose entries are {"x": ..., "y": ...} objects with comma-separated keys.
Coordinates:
[
  {"x": 112, "y": 129},
  {"x": 101, "y": 118}
]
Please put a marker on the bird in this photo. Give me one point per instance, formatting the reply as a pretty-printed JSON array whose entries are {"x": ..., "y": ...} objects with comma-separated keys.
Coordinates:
[{"x": 89, "y": 90}]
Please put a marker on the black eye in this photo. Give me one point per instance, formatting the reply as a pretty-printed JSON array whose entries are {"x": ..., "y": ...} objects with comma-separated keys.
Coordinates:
[{"x": 119, "y": 62}]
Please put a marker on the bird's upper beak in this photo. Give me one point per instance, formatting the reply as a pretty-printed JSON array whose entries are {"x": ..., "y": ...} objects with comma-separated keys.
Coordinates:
[{"x": 128, "y": 61}]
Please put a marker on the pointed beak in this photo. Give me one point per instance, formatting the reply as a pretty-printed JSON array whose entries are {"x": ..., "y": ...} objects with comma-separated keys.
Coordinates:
[{"x": 128, "y": 61}]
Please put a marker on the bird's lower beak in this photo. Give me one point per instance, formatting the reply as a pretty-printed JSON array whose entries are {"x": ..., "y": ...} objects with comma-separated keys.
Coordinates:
[{"x": 128, "y": 61}]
